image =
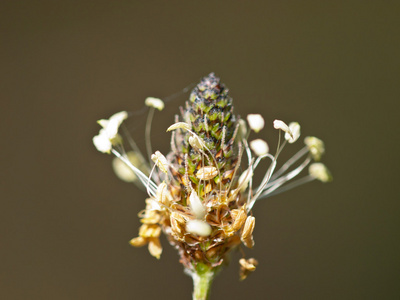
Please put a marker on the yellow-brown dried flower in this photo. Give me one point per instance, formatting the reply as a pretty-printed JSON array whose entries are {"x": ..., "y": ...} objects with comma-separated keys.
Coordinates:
[{"x": 246, "y": 267}]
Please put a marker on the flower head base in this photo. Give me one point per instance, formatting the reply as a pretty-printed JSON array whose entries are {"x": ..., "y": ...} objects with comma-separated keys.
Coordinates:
[{"x": 202, "y": 193}]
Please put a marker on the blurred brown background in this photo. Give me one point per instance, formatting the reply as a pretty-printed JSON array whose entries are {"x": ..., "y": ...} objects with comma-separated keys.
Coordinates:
[{"x": 66, "y": 219}]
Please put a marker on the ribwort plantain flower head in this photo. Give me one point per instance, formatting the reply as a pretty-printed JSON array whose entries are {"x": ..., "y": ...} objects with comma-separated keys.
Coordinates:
[{"x": 202, "y": 193}]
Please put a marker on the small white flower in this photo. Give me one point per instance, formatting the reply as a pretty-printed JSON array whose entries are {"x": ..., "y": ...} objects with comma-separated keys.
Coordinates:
[
  {"x": 320, "y": 172},
  {"x": 256, "y": 122},
  {"x": 315, "y": 146},
  {"x": 160, "y": 161},
  {"x": 154, "y": 102},
  {"x": 196, "y": 142},
  {"x": 259, "y": 147},
  {"x": 198, "y": 227},
  {"x": 196, "y": 205},
  {"x": 294, "y": 128},
  {"x": 179, "y": 125}
]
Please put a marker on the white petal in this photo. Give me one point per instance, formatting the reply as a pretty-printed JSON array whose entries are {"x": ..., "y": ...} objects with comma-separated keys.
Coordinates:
[
  {"x": 198, "y": 227},
  {"x": 259, "y": 147},
  {"x": 256, "y": 122},
  {"x": 154, "y": 102},
  {"x": 294, "y": 128}
]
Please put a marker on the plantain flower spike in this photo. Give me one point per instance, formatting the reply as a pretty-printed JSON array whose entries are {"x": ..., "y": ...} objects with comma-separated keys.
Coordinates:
[{"x": 201, "y": 195}]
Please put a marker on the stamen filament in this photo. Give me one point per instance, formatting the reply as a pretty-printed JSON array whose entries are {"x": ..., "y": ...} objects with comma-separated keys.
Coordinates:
[
  {"x": 290, "y": 162},
  {"x": 288, "y": 187},
  {"x": 148, "y": 132},
  {"x": 278, "y": 182},
  {"x": 142, "y": 177}
]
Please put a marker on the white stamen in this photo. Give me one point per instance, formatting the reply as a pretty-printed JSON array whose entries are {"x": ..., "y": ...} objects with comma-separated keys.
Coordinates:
[
  {"x": 160, "y": 161},
  {"x": 315, "y": 146},
  {"x": 108, "y": 135},
  {"x": 242, "y": 129},
  {"x": 154, "y": 102},
  {"x": 278, "y": 124},
  {"x": 256, "y": 122},
  {"x": 196, "y": 205},
  {"x": 124, "y": 172},
  {"x": 294, "y": 128},
  {"x": 207, "y": 173},
  {"x": 244, "y": 179},
  {"x": 179, "y": 125},
  {"x": 146, "y": 181},
  {"x": 320, "y": 172},
  {"x": 102, "y": 142},
  {"x": 259, "y": 147},
  {"x": 112, "y": 124},
  {"x": 198, "y": 227},
  {"x": 196, "y": 142},
  {"x": 163, "y": 194}
]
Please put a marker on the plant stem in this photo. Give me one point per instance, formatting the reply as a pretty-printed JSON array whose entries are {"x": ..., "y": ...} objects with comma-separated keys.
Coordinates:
[{"x": 202, "y": 279}]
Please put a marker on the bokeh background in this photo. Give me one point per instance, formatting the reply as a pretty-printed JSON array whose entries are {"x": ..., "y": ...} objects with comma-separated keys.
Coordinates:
[{"x": 65, "y": 219}]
